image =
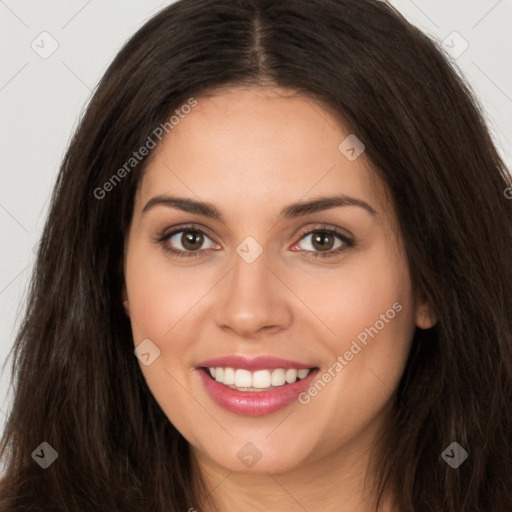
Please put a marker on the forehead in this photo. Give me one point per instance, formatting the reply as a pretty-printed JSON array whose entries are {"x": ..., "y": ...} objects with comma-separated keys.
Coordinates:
[{"x": 248, "y": 147}]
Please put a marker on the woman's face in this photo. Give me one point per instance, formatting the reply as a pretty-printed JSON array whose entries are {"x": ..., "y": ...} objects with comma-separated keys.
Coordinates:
[{"x": 262, "y": 279}]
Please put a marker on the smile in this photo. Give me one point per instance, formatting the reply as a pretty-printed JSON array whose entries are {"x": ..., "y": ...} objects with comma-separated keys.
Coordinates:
[
  {"x": 245, "y": 380},
  {"x": 254, "y": 386}
]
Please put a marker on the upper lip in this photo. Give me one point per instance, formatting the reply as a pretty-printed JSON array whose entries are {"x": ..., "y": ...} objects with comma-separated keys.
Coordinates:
[{"x": 252, "y": 363}]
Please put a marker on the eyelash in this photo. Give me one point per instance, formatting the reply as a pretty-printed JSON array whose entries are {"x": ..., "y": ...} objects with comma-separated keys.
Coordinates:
[{"x": 348, "y": 242}]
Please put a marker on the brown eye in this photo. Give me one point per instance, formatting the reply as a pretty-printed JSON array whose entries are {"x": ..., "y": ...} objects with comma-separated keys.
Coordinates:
[
  {"x": 187, "y": 242},
  {"x": 192, "y": 240},
  {"x": 322, "y": 241}
]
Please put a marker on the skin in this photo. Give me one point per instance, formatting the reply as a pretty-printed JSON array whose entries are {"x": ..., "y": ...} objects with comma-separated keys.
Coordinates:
[{"x": 251, "y": 152}]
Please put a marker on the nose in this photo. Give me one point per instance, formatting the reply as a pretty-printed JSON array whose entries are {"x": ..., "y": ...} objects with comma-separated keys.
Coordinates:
[{"x": 253, "y": 300}]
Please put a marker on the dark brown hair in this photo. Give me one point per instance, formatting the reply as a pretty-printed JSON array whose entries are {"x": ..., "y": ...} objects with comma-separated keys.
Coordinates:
[{"x": 77, "y": 383}]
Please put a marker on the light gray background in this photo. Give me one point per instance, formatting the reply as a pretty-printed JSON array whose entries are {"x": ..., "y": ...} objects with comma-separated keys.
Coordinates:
[{"x": 41, "y": 100}]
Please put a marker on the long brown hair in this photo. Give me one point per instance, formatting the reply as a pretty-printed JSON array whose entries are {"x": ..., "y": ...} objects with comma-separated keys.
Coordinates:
[{"x": 77, "y": 383}]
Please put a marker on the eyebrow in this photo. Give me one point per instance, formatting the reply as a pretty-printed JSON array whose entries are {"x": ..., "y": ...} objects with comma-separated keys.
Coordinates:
[{"x": 291, "y": 211}]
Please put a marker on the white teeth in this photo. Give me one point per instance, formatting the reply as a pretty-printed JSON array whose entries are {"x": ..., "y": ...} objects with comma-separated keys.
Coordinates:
[
  {"x": 302, "y": 373},
  {"x": 261, "y": 379},
  {"x": 229, "y": 376},
  {"x": 278, "y": 377},
  {"x": 291, "y": 376},
  {"x": 244, "y": 380}
]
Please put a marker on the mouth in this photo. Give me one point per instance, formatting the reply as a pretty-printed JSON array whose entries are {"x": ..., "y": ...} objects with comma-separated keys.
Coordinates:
[
  {"x": 256, "y": 381},
  {"x": 257, "y": 392}
]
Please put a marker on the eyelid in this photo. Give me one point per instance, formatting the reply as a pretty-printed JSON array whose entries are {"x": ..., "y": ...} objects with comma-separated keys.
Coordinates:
[
  {"x": 325, "y": 227},
  {"x": 167, "y": 233}
]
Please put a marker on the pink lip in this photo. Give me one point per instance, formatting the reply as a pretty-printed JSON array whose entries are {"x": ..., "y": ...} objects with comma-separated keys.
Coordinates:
[
  {"x": 253, "y": 363},
  {"x": 254, "y": 403}
]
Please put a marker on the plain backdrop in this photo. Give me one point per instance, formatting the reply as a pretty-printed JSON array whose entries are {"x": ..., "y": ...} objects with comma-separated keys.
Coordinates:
[{"x": 54, "y": 53}]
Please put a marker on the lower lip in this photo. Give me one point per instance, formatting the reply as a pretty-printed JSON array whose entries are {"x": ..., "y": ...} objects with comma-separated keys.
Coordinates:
[{"x": 255, "y": 403}]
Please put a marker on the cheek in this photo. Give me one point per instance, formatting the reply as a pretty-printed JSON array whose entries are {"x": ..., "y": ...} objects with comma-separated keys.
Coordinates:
[
  {"x": 149, "y": 291},
  {"x": 161, "y": 303},
  {"x": 370, "y": 310},
  {"x": 373, "y": 326},
  {"x": 158, "y": 295},
  {"x": 367, "y": 289}
]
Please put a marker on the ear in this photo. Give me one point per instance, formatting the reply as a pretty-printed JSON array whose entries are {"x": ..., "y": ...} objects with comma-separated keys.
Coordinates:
[
  {"x": 425, "y": 315},
  {"x": 126, "y": 304}
]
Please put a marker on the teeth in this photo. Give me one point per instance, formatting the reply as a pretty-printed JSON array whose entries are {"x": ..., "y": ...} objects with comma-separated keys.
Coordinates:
[
  {"x": 302, "y": 373},
  {"x": 278, "y": 377},
  {"x": 261, "y": 379},
  {"x": 291, "y": 376},
  {"x": 229, "y": 376},
  {"x": 244, "y": 380}
]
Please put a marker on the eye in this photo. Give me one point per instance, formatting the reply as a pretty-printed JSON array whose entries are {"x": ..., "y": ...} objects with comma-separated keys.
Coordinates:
[
  {"x": 324, "y": 242},
  {"x": 187, "y": 242}
]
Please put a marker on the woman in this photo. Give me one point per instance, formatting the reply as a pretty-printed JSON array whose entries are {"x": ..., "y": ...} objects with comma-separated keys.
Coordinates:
[{"x": 275, "y": 275}]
